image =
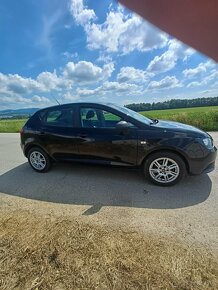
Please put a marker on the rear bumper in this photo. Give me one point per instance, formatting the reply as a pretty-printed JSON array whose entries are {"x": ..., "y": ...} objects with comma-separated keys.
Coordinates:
[{"x": 203, "y": 165}]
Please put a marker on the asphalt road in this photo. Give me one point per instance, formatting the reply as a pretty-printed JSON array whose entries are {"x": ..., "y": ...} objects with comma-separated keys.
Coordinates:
[{"x": 115, "y": 197}]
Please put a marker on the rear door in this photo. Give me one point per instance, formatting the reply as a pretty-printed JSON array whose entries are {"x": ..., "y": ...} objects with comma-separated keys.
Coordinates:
[
  {"x": 99, "y": 139},
  {"x": 58, "y": 134}
]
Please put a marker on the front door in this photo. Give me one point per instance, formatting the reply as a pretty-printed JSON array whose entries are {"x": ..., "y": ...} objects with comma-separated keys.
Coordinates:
[{"x": 100, "y": 139}]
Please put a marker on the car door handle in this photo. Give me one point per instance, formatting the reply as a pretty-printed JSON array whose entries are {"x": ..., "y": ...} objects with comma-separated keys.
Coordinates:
[{"x": 41, "y": 133}]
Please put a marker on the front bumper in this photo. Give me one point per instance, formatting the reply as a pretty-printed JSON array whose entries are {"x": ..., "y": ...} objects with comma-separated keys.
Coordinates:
[
  {"x": 203, "y": 165},
  {"x": 209, "y": 168}
]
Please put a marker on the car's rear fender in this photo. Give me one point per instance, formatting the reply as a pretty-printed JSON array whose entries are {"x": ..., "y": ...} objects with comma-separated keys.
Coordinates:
[{"x": 29, "y": 146}]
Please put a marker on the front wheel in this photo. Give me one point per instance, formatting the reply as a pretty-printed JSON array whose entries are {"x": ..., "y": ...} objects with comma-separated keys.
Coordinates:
[
  {"x": 164, "y": 168},
  {"x": 39, "y": 160}
]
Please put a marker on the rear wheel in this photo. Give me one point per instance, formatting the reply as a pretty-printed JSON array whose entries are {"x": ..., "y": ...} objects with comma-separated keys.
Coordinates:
[
  {"x": 164, "y": 168},
  {"x": 39, "y": 159}
]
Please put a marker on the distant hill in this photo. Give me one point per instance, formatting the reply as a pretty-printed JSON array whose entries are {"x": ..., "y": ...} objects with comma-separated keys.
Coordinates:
[
  {"x": 138, "y": 107},
  {"x": 17, "y": 113}
]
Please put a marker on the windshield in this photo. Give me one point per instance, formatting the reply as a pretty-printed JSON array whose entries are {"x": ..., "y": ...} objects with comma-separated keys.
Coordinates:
[{"x": 133, "y": 114}]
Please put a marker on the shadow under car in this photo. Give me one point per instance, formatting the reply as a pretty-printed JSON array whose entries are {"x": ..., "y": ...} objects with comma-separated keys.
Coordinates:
[{"x": 98, "y": 186}]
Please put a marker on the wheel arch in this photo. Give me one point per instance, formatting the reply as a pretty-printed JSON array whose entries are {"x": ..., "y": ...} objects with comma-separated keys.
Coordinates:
[
  {"x": 170, "y": 151},
  {"x": 32, "y": 145}
]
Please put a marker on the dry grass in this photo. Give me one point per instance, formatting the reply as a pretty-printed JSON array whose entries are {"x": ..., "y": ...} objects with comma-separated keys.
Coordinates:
[{"x": 44, "y": 253}]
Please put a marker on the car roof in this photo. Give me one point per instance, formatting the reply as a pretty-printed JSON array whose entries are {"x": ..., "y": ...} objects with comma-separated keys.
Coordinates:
[{"x": 79, "y": 103}]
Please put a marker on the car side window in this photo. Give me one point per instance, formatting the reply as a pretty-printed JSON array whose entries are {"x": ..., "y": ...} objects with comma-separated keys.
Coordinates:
[
  {"x": 98, "y": 118},
  {"x": 110, "y": 120},
  {"x": 89, "y": 118},
  {"x": 59, "y": 118}
]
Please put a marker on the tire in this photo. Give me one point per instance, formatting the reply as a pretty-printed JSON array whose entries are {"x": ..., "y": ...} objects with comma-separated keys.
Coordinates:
[
  {"x": 164, "y": 168},
  {"x": 42, "y": 160}
]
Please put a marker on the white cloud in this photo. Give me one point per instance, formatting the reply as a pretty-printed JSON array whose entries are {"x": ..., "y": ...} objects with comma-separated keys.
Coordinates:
[
  {"x": 104, "y": 57},
  {"x": 106, "y": 89},
  {"x": 126, "y": 35},
  {"x": 70, "y": 96},
  {"x": 212, "y": 77},
  {"x": 50, "y": 81},
  {"x": 106, "y": 35},
  {"x": 49, "y": 25},
  {"x": 39, "y": 99},
  {"x": 14, "y": 99},
  {"x": 133, "y": 75},
  {"x": 195, "y": 72},
  {"x": 211, "y": 64},
  {"x": 81, "y": 14},
  {"x": 180, "y": 50},
  {"x": 119, "y": 87},
  {"x": 166, "y": 83},
  {"x": 89, "y": 92},
  {"x": 87, "y": 72},
  {"x": 17, "y": 84},
  {"x": 215, "y": 85},
  {"x": 194, "y": 84},
  {"x": 73, "y": 73},
  {"x": 199, "y": 70},
  {"x": 108, "y": 70},
  {"x": 18, "y": 101},
  {"x": 119, "y": 32},
  {"x": 69, "y": 56},
  {"x": 167, "y": 61},
  {"x": 162, "y": 63},
  {"x": 109, "y": 88},
  {"x": 140, "y": 35}
]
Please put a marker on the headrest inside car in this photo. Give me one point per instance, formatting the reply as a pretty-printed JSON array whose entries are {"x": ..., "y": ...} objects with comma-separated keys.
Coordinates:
[{"x": 90, "y": 114}]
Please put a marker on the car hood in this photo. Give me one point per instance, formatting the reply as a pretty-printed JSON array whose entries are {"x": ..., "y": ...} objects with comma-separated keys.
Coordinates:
[{"x": 176, "y": 126}]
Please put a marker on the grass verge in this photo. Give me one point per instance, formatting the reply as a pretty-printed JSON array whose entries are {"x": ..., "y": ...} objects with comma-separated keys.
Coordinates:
[
  {"x": 11, "y": 126},
  {"x": 40, "y": 253}
]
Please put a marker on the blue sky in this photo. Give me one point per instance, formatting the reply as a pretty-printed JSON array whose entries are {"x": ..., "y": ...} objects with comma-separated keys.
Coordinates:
[{"x": 74, "y": 50}]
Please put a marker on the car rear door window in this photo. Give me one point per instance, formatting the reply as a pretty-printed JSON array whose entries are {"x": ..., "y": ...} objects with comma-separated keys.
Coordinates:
[{"x": 59, "y": 118}]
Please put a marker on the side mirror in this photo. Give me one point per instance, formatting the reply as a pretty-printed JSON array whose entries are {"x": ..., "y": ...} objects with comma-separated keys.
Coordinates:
[{"x": 123, "y": 125}]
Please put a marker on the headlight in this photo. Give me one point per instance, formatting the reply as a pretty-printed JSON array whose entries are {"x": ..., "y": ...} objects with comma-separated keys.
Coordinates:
[{"x": 208, "y": 143}]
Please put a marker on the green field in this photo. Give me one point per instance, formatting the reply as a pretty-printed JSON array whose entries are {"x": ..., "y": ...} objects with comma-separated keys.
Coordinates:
[
  {"x": 11, "y": 126},
  {"x": 205, "y": 118}
]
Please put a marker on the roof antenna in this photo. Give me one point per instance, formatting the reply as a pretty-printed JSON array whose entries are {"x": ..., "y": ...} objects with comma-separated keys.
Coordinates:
[{"x": 56, "y": 101}]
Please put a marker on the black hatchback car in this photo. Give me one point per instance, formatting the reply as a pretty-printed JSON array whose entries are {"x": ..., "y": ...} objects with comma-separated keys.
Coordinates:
[{"x": 110, "y": 134}]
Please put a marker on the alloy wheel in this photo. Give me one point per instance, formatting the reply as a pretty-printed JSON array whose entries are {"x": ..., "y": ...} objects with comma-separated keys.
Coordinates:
[
  {"x": 37, "y": 160},
  {"x": 164, "y": 170}
]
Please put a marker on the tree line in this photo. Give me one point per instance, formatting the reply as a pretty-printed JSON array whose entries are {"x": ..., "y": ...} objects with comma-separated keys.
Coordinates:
[{"x": 174, "y": 104}]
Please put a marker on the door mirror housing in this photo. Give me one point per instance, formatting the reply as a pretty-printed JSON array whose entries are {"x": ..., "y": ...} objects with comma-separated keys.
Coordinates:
[{"x": 123, "y": 125}]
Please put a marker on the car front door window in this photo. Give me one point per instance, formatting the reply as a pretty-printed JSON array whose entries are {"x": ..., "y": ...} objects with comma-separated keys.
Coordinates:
[
  {"x": 89, "y": 118},
  {"x": 97, "y": 118}
]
